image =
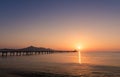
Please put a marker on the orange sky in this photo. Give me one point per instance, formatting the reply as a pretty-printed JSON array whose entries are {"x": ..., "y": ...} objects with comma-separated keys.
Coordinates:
[{"x": 61, "y": 25}]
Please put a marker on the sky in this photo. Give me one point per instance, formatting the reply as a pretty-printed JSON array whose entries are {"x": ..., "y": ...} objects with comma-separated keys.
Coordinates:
[{"x": 60, "y": 24}]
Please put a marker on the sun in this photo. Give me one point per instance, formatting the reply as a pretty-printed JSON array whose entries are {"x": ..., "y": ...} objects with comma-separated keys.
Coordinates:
[{"x": 79, "y": 47}]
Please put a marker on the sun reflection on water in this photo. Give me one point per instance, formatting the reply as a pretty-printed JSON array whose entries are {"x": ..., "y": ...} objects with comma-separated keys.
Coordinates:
[
  {"x": 79, "y": 54},
  {"x": 79, "y": 57}
]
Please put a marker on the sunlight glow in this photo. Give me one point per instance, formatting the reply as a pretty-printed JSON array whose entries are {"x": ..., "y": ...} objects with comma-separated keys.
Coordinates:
[
  {"x": 79, "y": 54},
  {"x": 79, "y": 57},
  {"x": 79, "y": 47}
]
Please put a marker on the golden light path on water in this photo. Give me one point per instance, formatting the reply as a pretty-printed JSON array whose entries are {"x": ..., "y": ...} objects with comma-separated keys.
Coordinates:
[
  {"x": 79, "y": 54},
  {"x": 79, "y": 57}
]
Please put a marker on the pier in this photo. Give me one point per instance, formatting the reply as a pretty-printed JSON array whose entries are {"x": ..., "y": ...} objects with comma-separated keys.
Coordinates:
[
  {"x": 31, "y": 50},
  {"x": 23, "y": 53}
]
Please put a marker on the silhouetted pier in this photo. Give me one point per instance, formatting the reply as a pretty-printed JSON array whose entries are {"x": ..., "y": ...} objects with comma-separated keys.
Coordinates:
[
  {"x": 29, "y": 51},
  {"x": 21, "y": 53}
]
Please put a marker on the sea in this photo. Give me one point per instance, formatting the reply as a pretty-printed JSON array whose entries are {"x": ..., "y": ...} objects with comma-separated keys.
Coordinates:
[{"x": 82, "y": 64}]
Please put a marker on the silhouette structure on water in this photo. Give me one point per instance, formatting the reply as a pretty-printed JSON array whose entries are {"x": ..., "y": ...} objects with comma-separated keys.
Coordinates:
[{"x": 31, "y": 50}]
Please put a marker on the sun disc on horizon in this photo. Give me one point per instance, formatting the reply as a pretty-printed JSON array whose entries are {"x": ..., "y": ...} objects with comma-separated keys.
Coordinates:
[{"x": 79, "y": 47}]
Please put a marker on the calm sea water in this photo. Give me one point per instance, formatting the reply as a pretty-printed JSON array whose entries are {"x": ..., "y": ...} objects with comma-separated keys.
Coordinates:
[{"x": 67, "y": 63}]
